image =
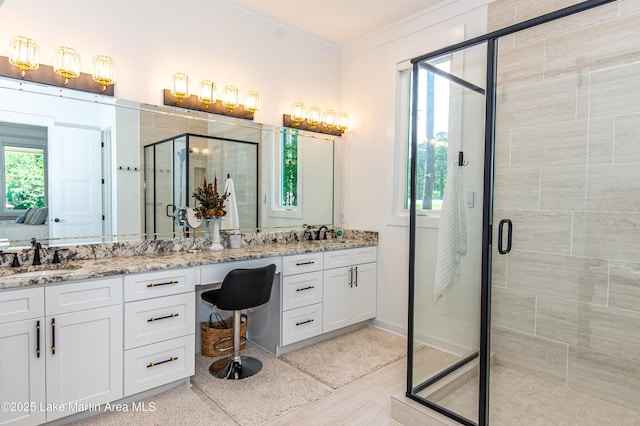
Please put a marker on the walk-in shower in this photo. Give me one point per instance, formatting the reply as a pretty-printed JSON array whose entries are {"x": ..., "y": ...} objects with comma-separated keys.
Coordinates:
[
  {"x": 537, "y": 318},
  {"x": 174, "y": 167}
]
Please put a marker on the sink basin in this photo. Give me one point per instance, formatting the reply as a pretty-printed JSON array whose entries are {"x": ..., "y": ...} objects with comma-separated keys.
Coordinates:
[
  {"x": 28, "y": 271},
  {"x": 42, "y": 273},
  {"x": 328, "y": 242}
]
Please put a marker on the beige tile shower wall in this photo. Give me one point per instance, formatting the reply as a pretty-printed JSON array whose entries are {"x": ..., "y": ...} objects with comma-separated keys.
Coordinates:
[{"x": 566, "y": 300}]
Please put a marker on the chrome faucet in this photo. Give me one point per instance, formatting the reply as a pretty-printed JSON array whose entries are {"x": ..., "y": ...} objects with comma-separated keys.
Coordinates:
[{"x": 320, "y": 230}]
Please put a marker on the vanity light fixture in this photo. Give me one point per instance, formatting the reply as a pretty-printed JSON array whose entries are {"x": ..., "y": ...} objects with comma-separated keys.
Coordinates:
[
  {"x": 180, "y": 86},
  {"x": 208, "y": 100},
  {"x": 67, "y": 63},
  {"x": 315, "y": 120},
  {"x": 104, "y": 71},
  {"x": 252, "y": 101},
  {"x": 230, "y": 97},
  {"x": 207, "y": 94},
  {"x": 24, "y": 53}
]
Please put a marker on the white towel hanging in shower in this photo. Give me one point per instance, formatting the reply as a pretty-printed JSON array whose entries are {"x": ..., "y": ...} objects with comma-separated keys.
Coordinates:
[
  {"x": 231, "y": 220},
  {"x": 452, "y": 232}
]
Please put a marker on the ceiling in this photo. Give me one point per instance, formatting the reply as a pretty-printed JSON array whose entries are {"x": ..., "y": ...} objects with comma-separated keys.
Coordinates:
[{"x": 339, "y": 21}]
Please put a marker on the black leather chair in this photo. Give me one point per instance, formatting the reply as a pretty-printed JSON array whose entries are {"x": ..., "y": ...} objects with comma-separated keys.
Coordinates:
[{"x": 241, "y": 289}]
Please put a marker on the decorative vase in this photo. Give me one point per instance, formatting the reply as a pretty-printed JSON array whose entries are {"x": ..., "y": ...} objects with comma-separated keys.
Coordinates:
[{"x": 216, "y": 245}]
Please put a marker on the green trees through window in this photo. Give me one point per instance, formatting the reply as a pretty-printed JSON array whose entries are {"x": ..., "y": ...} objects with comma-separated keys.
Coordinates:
[
  {"x": 24, "y": 177},
  {"x": 431, "y": 172},
  {"x": 432, "y": 138},
  {"x": 289, "y": 169}
]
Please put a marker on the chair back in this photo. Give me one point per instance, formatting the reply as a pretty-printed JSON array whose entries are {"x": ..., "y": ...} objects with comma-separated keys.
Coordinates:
[{"x": 246, "y": 288}]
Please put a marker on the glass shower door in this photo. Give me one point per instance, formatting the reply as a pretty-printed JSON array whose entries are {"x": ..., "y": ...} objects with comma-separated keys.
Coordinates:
[
  {"x": 565, "y": 333},
  {"x": 446, "y": 279}
]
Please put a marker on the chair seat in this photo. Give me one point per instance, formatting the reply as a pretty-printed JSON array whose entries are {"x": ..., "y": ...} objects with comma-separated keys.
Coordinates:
[{"x": 210, "y": 296}]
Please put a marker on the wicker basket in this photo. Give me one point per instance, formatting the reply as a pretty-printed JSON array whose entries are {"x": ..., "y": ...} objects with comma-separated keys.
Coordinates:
[{"x": 218, "y": 341}]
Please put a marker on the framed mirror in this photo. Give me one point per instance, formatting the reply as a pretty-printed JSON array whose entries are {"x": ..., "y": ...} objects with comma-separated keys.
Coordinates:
[{"x": 93, "y": 161}]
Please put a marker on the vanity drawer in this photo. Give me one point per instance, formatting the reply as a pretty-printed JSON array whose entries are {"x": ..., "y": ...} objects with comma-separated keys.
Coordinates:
[
  {"x": 301, "y": 263},
  {"x": 83, "y": 295},
  {"x": 213, "y": 274},
  {"x": 18, "y": 305},
  {"x": 154, "y": 320},
  {"x": 156, "y": 284},
  {"x": 340, "y": 258},
  {"x": 154, "y": 365},
  {"x": 302, "y": 323},
  {"x": 301, "y": 290}
]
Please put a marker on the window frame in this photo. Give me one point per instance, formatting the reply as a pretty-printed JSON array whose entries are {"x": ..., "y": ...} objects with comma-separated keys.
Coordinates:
[
  {"x": 276, "y": 208},
  {"x": 399, "y": 215}
]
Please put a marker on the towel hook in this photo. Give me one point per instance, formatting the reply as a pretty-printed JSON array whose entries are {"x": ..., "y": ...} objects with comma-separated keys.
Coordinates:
[{"x": 461, "y": 161}]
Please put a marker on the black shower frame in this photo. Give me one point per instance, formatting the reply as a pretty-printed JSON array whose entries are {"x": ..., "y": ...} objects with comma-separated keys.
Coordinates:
[
  {"x": 491, "y": 39},
  {"x": 187, "y": 136}
]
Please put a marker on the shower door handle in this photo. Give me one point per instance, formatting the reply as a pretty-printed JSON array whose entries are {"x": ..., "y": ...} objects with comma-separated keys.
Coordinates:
[{"x": 509, "y": 232}]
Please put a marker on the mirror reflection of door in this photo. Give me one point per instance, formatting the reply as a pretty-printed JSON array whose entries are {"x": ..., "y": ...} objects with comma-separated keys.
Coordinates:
[{"x": 75, "y": 168}]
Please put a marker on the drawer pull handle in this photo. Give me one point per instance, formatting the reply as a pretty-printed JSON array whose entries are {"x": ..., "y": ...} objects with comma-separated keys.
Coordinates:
[
  {"x": 153, "y": 364},
  {"x": 158, "y": 285},
  {"x": 304, "y": 322},
  {"x": 38, "y": 341},
  {"x": 306, "y": 288},
  {"x": 53, "y": 336},
  {"x": 161, "y": 318},
  {"x": 311, "y": 262}
]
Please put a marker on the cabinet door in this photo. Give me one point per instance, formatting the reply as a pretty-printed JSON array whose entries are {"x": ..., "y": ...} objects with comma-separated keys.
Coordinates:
[
  {"x": 22, "y": 373},
  {"x": 363, "y": 293},
  {"x": 336, "y": 301},
  {"x": 84, "y": 359}
]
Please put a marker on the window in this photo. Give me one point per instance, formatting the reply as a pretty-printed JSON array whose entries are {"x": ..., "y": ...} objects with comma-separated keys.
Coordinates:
[
  {"x": 23, "y": 164},
  {"x": 289, "y": 169},
  {"x": 23, "y": 178},
  {"x": 286, "y": 186},
  {"x": 432, "y": 136}
]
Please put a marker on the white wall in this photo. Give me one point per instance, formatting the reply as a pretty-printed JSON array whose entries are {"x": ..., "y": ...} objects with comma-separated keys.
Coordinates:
[
  {"x": 150, "y": 40},
  {"x": 369, "y": 82}
]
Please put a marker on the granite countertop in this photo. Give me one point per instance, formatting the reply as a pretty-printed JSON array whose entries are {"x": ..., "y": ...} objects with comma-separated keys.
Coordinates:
[{"x": 121, "y": 265}]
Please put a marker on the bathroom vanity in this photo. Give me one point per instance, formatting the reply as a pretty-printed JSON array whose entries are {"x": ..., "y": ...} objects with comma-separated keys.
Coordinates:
[{"x": 117, "y": 328}]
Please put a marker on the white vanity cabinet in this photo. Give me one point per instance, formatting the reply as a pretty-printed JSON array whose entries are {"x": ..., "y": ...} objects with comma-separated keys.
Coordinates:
[
  {"x": 83, "y": 345},
  {"x": 65, "y": 357},
  {"x": 159, "y": 340},
  {"x": 22, "y": 357},
  {"x": 301, "y": 297},
  {"x": 318, "y": 293},
  {"x": 349, "y": 280}
]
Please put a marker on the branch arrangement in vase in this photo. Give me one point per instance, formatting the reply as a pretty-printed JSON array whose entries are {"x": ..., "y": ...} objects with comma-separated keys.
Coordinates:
[{"x": 210, "y": 203}]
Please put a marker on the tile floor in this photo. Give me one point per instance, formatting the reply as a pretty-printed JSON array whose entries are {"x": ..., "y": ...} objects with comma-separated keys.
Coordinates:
[
  {"x": 517, "y": 399},
  {"x": 521, "y": 399}
]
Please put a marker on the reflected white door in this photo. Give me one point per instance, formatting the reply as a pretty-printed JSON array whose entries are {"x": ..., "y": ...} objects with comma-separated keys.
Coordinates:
[{"x": 75, "y": 193}]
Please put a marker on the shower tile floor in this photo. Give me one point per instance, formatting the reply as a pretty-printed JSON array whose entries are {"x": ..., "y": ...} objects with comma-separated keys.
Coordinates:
[{"x": 518, "y": 398}]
